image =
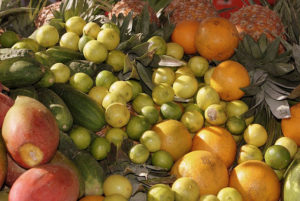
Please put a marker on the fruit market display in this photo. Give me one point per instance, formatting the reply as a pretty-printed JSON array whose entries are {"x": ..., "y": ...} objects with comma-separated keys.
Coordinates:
[{"x": 149, "y": 100}]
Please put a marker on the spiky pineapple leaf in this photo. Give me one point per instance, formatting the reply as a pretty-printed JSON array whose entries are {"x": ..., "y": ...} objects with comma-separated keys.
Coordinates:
[
  {"x": 280, "y": 109},
  {"x": 296, "y": 56},
  {"x": 295, "y": 93},
  {"x": 274, "y": 91}
]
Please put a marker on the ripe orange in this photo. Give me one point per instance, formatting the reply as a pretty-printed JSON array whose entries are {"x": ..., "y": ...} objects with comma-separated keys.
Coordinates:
[
  {"x": 92, "y": 198},
  {"x": 256, "y": 181},
  {"x": 216, "y": 38},
  {"x": 216, "y": 140},
  {"x": 291, "y": 126},
  {"x": 205, "y": 168},
  {"x": 227, "y": 79},
  {"x": 175, "y": 138},
  {"x": 184, "y": 34}
]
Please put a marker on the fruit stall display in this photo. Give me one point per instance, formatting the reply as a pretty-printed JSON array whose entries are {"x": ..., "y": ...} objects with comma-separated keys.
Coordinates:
[{"x": 158, "y": 100}]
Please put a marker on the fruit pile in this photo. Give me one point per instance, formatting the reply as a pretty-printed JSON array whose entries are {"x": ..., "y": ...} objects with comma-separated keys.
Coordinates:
[{"x": 150, "y": 100}]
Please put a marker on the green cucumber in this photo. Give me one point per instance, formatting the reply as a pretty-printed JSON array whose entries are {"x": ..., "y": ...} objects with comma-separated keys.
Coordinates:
[
  {"x": 29, "y": 91},
  {"x": 85, "y": 111},
  {"x": 18, "y": 72},
  {"x": 63, "y": 55},
  {"x": 45, "y": 59},
  {"x": 58, "y": 108}
]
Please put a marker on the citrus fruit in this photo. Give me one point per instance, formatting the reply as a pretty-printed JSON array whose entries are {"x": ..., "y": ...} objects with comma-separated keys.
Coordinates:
[
  {"x": 278, "y": 157},
  {"x": 198, "y": 65},
  {"x": 136, "y": 126},
  {"x": 186, "y": 188},
  {"x": 105, "y": 78},
  {"x": 208, "y": 74},
  {"x": 192, "y": 120},
  {"x": 174, "y": 136},
  {"x": 236, "y": 108},
  {"x": 185, "y": 86},
  {"x": 139, "y": 154},
  {"x": 110, "y": 25},
  {"x": 280, "y": 173},
  {"x": 151, "y": 140},
  {"x": 8, "y": 39},
  {"x": 95, "y": 51},
  {"x": 117, "y": 184},
  {"x": 184, "y": 70},
  {"x": 26, "y": 43},
  {"x": 228, "y": 78},
  {"x": 140, "y": 101},
  {"x": 237, "y": 138},
  {"x": 208, "y": 197},
  {"x": 92, "y": 198},
  {"x": 235, "y": 125},
  {"x": 110, "y": 38},
  {"x": 184, "y": 34},
  {"x": 255, "y": 181},
  {"x": 162, "y": 159},
  {"x": 75, "y": 24},
  {"x": 83, "y": 41},
  {"x": 229, "y": 194},
  {"x": 151, "y": 114},
  {"x": 111, "y": 98},
  {"x": 219, "y": 33},
  {"x": 136, "y": 88},
  {"x": 116, "y": 136},
  {"x": 80, "y": 136},
  {"x": 288, "y": 143},
  {"x": 171, "y": 110},
  {"x": 215, "y": 114},
  {"x": 115, "y": 197},
  {"x": 216, "y": 140},
  {"x": 117, "y": 115},
  {"x": 69, "y": 40},
  {"x": 163, "y": 75},
  {"x": 193, "y": 106},
  {"x": 82, "y": 82},
  {"x": 256, "y": 135},
  {"x": 160, "y": 192},
  {"x": 290, "y": 126},
  {"x": 116, "y": 59},
  {"x": 205, "y": 168},
  {"x": 91, "y": 29},
  {"x": 61, "y": 72},
  {"x": 47, "y": 36},
  {"x": 162, "y": 93},
  {"x": 249, "y": 152},
  {"x": 158, "y": 45},
  {"x": 100, "y": 147},
  {"x": 207, "y": 96},
  {"x": 122, "y": 88},
  {"x": 98, "y": 93},
  {"x": 175, "y": 50}
]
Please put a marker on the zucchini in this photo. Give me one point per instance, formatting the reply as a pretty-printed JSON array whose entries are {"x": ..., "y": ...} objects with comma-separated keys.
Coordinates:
[
  {"x": 63, "y": 55},
  {"x": 18, "y": 72},
  {"x": 85, "y": 111},
  {"x": 58, "y": 108},
  {"x": 29, "y": 91}
]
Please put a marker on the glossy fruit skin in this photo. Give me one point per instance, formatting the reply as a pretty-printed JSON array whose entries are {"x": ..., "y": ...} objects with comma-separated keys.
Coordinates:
[
  {"x": 292, "y": 178},
  {"x": 5, "y": 103},
  {"x": 47, "y": 182},
  {"x": 13, "y": 171},
  {"x": 289, "y": 126}
]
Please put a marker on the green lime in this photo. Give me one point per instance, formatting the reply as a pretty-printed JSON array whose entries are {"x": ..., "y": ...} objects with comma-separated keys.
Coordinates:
[
  {"x": 109, "y": 37},
  {"x": 136, "y": 88},
  {"x": 151, "y": 113},
  {"x": 140, "y": 101},
  {"x": 278, "y": 157},
  {"x": 83, "y": 41},
  {"x": 100, "y": 147},
  {"x": 171, "y": 110},
  {"x": 208, "y": 197},
  {"x": 192, "y": 120},
  {"x": 208, "y": 74},
  {"x": 151, "y": 140},
  {"x": 8, "y": 39},
  {"x": 207, "y": 96},
  {"x": 288, "y": 143},
  {"x": 115, "y": 197},
  {"x": 139, "y": 154},
  {"x": 236, "y": 108},
  {"x": 69, "y": 40},
  {"x": 162, "y": 93},
  {"x": 116, "y": 59},
  {"x": 157, "y": 44},
  {"x": 162, "y": 159},
  {"x": 255, "y": 134},
  {"x": 47, "y": 36},
  {"x": 95, "y": 51},
  {"x": 80, "y": 136},
  {"x": 136, "y": 126},
  {"x": 237, "y": 138},
  {"x": 249, "y": 152},
  {"x": 61, "y": 72},
  {"x": 116, "y": 136},
  {"x": 110, "y": 25},
  {"x": 175, "y": 50},
  {"x": 186, "y": 188},
  {"x": 163, "y": 75},
  {"x": 199, "y": 65},
  {"x": 117, "y": 115},
  {"x": 235, "y": 125},
  {"x": 280, "y": 173},
  {"x": 215, "y": 114},
  {"x": 116, "y": 184},
  {"x": 75, "y": 24},
  {"x": 184, "y": 70},
  {"x": 229, "y": 194},
  {"x": 26, "y": 43},
  {"x": 160, "y": 192},
  {"x": 185, "y": 86},
  {"x": 111, "y": 98},
  {"x": 123, "y": 88},
  {"x": 105, "y": 78},
  {"x": 91, "y": 29},
  {"x": 98, "y": 93},
  {"x": 192, "y": 107},
  {"x": 82, "y": 82}
]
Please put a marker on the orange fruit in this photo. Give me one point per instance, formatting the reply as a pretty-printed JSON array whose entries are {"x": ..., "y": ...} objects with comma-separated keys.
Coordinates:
[
  {"x": 92, "y": 198},
  {"x": 216, "y": 140},
  {"x": 227, "y": 79},
  {"x": 290, "y": 126},
  {"x": 175, "y": 138},
  {"x": 205, "y": 168},
  {"x": 216, "y": 38},
  {"x": 256, "y": 181},
  {"x": 184, "y": 35}
]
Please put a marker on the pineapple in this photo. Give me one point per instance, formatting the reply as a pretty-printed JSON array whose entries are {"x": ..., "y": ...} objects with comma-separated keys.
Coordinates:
[
  {"x": 46, "y": 14},
  {"x": 181, "y": 10}
]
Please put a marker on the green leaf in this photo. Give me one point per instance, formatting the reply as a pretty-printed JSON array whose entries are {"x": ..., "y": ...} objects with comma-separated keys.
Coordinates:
[
  {"x": 278, "y": 69},
  {"x": 255, "y": 49},
  {"x": 271, "y": 51},
  {"x": 296, "y": 56},
  {"x": 133, "y": 41},
  {"x": 283, "y": 83},
  {"x": 145, "y": 75},
  {"x": 280, "y": 109},
  {"x": 167, "y": 61},
  {"x": 263, "y": 43},
  {"x": 140, "y": 49}
]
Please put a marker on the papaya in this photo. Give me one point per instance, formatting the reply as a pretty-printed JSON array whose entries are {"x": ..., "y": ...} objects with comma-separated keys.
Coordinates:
[
  {"x": 3, "y": 162},
  {"x": 5, "y": 103},
  {"x": 13, "y": 171}
]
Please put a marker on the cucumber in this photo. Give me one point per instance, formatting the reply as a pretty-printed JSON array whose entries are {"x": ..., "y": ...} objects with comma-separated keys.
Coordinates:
[
  {"x": 58, "y": 108},
  {"x": 91, "y": 170},
  {"x": 18, "y": 72},
  {"x": 85, "y": 111},
  {"x": 83, "y": 66},
  {"x": 29, "y": 91},
  {"x": 44, "y": 59},
  {"x": 63, "y": 55}
]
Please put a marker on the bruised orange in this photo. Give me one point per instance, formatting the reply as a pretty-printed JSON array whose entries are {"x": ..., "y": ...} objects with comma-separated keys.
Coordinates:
[
  {"x": 228, "y": 78},
  {"x": 184, "y": 35},
  {"x": 290, "y": 126},
  {"x": 92, "y": 198}
]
